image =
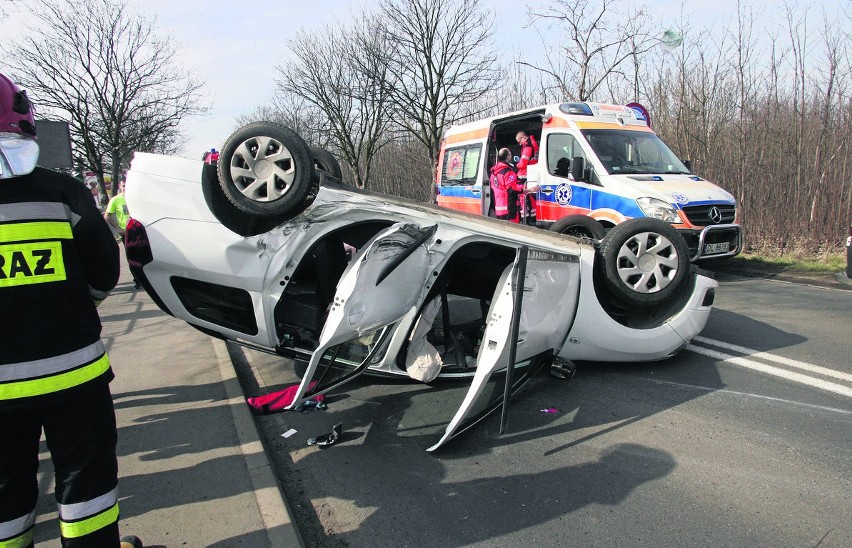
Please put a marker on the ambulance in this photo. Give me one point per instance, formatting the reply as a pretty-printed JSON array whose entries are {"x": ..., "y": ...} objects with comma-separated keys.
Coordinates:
[{"x": 597, "y": 166}]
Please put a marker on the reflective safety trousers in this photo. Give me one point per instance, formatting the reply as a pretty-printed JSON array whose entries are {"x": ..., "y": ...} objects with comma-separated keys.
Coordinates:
[{"x": 81, "y": 436}]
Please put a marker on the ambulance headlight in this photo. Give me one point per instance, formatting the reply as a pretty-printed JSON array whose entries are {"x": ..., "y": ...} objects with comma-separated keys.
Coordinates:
[{"x": 658, "y": 209}]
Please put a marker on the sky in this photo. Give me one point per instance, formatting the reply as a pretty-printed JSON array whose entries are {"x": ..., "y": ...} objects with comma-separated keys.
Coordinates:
[{"x": 233, "y": 46}]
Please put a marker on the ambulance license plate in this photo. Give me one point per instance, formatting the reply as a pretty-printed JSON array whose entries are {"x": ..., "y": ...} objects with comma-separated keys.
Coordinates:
[{"x": 713, "y": 249}]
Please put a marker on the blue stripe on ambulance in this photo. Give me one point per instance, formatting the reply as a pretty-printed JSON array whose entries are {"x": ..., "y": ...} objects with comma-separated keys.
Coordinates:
[
  {"x": 591, "y": 199},
  {"x": 462, "y": 191},
  {"x": 626, "y": 206},
  {"x": 461, "y": 198},
  {"x": 579, "y": 196}
]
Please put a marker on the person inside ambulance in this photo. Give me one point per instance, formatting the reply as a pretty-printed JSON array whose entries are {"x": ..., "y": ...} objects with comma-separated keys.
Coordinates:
[
  {"x": 529, "y": 155},
  {"x": 58, "y": 260},
  {"x": 529, "y": 152}
]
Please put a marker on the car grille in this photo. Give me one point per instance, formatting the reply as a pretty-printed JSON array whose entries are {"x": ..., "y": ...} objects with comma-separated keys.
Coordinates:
[{"x": 701, "y": 215}]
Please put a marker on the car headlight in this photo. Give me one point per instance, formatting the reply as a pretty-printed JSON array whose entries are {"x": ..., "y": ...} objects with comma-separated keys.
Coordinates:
[{"x": 658, "y": 209}]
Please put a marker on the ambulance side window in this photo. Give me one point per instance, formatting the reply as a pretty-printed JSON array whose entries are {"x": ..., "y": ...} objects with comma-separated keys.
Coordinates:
[
  {"x": 561, "y": 150},
  {"x": 461, "y": 165}
]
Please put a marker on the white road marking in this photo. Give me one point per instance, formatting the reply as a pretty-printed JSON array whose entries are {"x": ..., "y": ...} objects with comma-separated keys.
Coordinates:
[
  {"x": 770, "y": 370},
  {"x": 718, "y": 391},
  {"x": 777, "y": 359}
]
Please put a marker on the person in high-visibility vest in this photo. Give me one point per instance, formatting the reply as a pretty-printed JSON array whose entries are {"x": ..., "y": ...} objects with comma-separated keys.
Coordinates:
[
  {"x": 116, "y": 215},
  {"x": 58, "y": 260}
]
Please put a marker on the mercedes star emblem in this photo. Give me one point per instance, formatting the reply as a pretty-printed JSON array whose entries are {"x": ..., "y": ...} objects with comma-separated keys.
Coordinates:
[{"x": 715, "y": 215}]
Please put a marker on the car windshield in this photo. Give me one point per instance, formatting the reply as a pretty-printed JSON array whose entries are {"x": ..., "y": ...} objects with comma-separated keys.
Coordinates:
[{"x": 624, "y": 151}]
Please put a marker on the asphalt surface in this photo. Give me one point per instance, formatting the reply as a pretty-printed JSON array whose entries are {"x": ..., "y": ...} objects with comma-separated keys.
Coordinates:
[
  {"x": 192, "y": 468},
  {"x": 690, "y": 451}
]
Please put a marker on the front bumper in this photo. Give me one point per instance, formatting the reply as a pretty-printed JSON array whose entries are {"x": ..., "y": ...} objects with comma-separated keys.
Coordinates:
[{"x": 714, "y": 241}]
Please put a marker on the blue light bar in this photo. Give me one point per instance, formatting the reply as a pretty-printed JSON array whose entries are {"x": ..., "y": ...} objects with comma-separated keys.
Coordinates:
[{"x": 576, "y": 108}]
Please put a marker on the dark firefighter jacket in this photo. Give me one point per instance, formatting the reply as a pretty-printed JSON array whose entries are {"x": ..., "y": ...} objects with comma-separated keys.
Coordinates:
[{"x": 57, "y": 257}]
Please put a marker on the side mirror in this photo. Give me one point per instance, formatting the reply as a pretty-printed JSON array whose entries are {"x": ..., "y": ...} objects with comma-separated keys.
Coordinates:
[
  {"x": 578, "y": 168},
  {"x": 688, "y": 164}
]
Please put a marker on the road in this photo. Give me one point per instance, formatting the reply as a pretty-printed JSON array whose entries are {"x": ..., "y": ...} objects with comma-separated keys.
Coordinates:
[{"x": 744, "y": 438}]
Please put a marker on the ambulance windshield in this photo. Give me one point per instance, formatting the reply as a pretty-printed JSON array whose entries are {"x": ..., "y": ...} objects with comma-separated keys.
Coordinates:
[{"x": 629, "y": 152}]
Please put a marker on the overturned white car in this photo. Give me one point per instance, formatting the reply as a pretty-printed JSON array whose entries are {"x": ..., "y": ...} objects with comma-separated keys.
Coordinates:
[{"x": 270, "y": 250}]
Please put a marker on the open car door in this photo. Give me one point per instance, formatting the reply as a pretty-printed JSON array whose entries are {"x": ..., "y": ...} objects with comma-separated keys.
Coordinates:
[
  {"x": 539, "y": 319},
  {"x": 384, "y": 284}
]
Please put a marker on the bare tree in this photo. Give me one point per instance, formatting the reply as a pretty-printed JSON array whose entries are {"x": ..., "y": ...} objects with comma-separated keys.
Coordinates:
[
  {"x": 104, "y": 70},
  {"x": 295, "y": 112},
  {"x": 768, "y": 119},
  {"x": 439, "y": 64},
  {"x": 600, "y": 39},
  {"x": 340, "y": 73}
]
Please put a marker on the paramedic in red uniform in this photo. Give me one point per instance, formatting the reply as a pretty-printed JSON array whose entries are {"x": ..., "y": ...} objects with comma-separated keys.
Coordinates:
[
  {"x": 58, "y": 258},
  {"x": 529, "y": 155},
  {"x": 505, "y": 187}
]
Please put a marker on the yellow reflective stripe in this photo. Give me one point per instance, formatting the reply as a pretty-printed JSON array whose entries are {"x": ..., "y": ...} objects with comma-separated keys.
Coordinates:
[
  {"x": 22, "y": 540},
  {"x": 50, "y": 230},
  {"x": 54, "y": 383},
  {"x": 88, "y": 526},
  {"x": 32, "y": 263}
]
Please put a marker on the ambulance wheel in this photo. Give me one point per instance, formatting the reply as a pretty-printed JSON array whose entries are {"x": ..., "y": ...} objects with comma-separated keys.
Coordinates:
[
  {"x": 265, "y": 169},
  {"x": 644, "y": 261},
  {"x": 581, "y": 226}
]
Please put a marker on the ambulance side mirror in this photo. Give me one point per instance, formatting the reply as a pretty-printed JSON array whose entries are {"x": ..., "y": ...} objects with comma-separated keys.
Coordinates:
[{"x": 578, "y": 168}]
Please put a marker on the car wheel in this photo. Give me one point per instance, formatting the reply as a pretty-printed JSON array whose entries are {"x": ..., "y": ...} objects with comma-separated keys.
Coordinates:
[
  {"x": 325, "y": 162},
  {"x": 232, "y": 218},
  {"x": 581, "y": 226},
  {"x": 644, "y": 261},
  {"x": 265, "y": 169}
]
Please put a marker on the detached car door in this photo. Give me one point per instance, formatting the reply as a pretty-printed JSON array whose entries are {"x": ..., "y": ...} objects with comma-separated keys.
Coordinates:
[{"x": 544, "y": 313}]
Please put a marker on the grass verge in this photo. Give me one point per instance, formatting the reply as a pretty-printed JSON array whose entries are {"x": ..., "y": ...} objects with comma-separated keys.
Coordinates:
[{"x": 822, "y": 264}]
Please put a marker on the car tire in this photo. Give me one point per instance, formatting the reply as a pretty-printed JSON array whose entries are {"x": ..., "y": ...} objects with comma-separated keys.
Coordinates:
[
  {"x": 580, "y": 226},
  {"x": 235, "y": 220},
  {"x": 644, "y": 262},
  {"x": 265, "y": 169},
  {"x": 326, "y": 163}
]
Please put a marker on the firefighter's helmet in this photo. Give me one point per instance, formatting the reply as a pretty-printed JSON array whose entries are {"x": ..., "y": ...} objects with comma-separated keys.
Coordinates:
[{"x": 18, "y": 148}]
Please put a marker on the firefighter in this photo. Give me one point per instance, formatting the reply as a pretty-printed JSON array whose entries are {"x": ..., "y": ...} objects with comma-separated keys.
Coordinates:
[{"x": 58, "y": 259}]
